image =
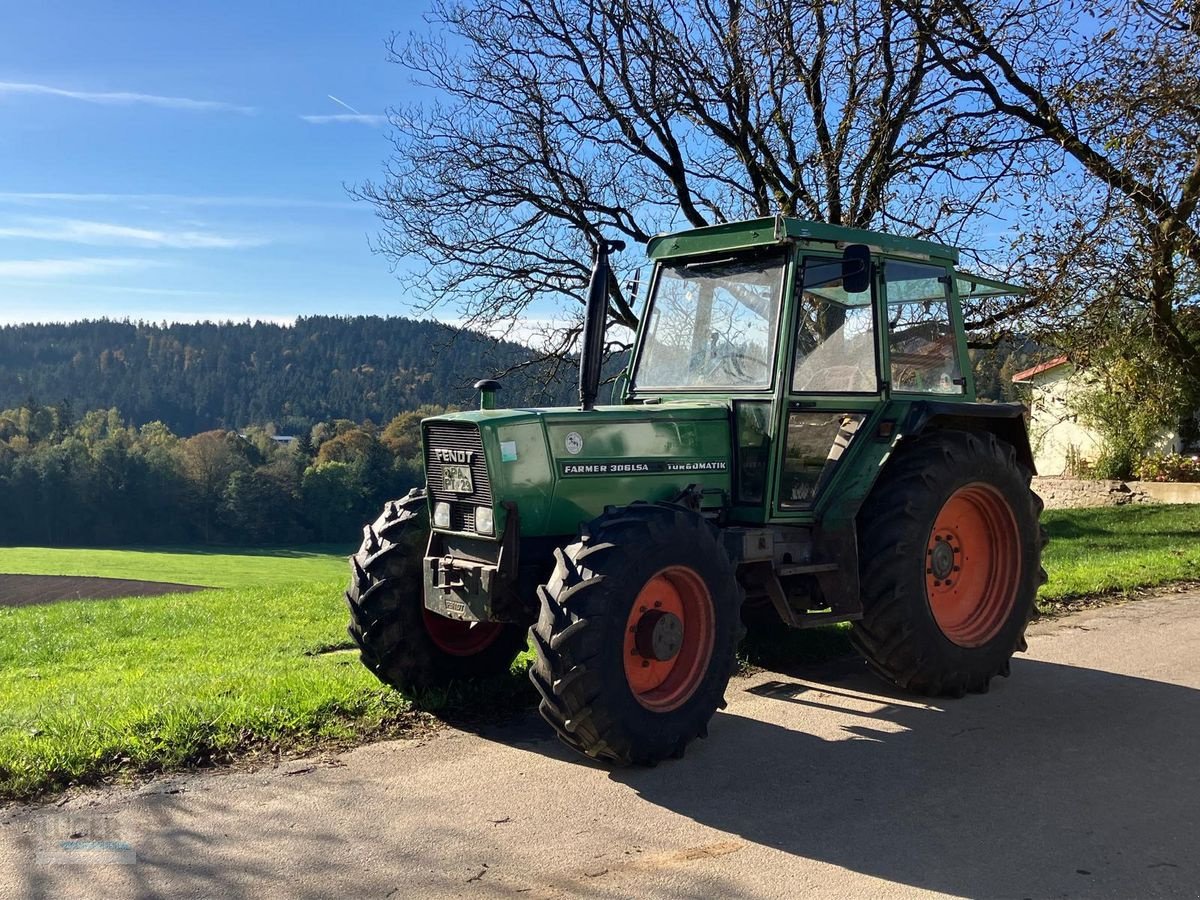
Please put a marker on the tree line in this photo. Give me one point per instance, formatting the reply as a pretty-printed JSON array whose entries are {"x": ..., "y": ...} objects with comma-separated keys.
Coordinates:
[{"x": 98, "y": 481}]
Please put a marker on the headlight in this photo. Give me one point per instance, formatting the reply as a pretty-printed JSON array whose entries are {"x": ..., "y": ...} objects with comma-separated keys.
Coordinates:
[
  {"x": 483, "y": 520},
  {"x": 441, "y": 515}
]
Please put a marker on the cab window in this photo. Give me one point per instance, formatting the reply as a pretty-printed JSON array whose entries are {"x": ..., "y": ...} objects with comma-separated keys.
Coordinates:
[
  {"x": 922, "y": 347},
  {"x": 835, "y": 334}
]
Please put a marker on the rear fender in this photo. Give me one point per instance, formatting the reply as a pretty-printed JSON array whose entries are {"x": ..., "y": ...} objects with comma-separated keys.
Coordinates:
[{"x": 1005, "y": 420}]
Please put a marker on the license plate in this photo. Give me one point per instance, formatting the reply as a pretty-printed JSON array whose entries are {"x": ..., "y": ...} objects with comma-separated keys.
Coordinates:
[{"x": 457, "y": 479}]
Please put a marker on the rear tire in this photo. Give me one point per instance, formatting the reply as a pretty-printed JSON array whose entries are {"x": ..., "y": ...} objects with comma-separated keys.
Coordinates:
[
  {"x": 636, "y": 636},
  {"x": 400, "y": 641},
  {"x": 951, "y": 563}
]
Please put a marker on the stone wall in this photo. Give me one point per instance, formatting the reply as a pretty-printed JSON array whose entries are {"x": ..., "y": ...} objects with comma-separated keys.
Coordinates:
[
  {"x": 1168, "y": 491},
  {"x": 1072, "y": 493}
]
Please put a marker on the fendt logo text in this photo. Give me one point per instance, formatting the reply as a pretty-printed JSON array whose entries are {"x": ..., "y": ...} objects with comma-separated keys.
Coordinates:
[{"x": 453, "y": 456}]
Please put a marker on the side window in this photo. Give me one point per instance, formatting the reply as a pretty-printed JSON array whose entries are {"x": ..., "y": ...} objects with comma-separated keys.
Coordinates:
[
  {"x": 921, "y": 341},
  {"x": 835, "y": 334}
]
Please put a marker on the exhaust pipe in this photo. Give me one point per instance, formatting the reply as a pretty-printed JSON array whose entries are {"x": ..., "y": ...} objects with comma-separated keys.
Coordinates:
[{"x": 591, "y": 355}]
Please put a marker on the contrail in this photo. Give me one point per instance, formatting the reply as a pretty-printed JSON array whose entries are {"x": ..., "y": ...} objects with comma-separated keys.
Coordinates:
[{"x": 343, "y": 103}]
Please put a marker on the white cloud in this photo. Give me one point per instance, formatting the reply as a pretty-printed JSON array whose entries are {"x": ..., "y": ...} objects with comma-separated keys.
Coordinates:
[
  {"x": 77, "y": 289},
  {"x": 81, "y": 231},
  {"x": 539, "y": 332},
  {"x": 66, "y": 268},
  {"x": 124, "y": 98},
  {"x": 359, "y": 118}
]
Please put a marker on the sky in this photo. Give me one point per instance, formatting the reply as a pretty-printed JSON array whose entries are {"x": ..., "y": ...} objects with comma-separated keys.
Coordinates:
[{"x": 186, "y": 161}]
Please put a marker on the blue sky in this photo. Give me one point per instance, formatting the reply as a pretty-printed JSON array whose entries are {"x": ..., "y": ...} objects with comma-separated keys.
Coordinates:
[{"x": 186, "y": 161}]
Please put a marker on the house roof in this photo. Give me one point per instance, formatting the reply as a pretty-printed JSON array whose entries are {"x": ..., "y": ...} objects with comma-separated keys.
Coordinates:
[{"x": 1027, "y": 375}]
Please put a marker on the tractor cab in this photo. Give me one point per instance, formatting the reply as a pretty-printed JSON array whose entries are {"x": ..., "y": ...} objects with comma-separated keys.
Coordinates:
[{"x": 809, "y": 334}]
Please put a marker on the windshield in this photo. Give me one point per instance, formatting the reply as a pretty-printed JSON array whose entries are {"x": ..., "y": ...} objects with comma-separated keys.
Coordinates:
[{"x": 712, "y": 323}]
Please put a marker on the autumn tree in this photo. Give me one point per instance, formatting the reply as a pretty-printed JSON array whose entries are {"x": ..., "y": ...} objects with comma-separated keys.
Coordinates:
[{"x": 208, "y": 460}]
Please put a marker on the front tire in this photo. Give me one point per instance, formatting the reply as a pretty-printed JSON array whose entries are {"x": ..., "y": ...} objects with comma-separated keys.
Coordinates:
[
  {"x": 403, "y": 644},
  {"x": 951, "y": 563},
  {"x": 636, "y": 635}
]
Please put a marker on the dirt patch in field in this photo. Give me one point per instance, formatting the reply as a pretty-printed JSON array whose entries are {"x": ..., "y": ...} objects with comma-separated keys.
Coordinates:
[{"x": 26, "y": 590}]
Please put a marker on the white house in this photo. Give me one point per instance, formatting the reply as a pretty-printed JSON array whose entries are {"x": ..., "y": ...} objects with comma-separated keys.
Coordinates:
[{"x": 1054, "y": 429}]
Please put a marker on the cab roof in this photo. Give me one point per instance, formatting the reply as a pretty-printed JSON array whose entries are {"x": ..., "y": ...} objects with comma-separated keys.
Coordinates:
[{"x": 777, "y": 229}]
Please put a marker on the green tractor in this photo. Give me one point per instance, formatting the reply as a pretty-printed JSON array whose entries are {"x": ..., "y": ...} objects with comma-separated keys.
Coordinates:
[{"x": 795, "y": 442}]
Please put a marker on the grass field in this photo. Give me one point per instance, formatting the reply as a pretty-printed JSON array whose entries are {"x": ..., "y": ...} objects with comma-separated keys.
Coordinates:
[
  {"x": 88, "y": 689},
  {"x": 1097, "y": 551},
  {"x": 224, "y": 568}
]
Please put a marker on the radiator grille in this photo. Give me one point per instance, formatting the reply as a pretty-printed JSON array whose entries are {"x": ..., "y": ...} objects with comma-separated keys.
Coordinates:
[
  {"x": 445, "y": 436},
  {"x": 462, "y": 517}
]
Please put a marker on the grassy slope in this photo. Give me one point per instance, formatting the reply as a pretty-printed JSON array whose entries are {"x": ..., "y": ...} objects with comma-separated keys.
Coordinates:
[
  {"x": 89, "y": 688},
  {"x": 167, "y": 680}
]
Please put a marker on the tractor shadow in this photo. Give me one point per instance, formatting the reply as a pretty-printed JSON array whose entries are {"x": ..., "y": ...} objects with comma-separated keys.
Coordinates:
[{"x": 1063, "y": 781}]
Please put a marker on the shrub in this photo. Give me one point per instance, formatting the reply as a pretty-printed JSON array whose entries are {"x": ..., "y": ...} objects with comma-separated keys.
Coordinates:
[
  {"x": 1167, "y": 467},
  {"x": 1131, "y": 401}
]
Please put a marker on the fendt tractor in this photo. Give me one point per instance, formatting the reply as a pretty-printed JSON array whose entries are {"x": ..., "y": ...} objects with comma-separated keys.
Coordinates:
[{"x": 795, "y": 441}]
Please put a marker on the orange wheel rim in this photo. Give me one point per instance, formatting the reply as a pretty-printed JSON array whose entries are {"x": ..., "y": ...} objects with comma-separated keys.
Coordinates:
[
  {"x": 669, "y": 638},
  {"x": 973, "y": 565},
  {"x": 459, "y": 638}
]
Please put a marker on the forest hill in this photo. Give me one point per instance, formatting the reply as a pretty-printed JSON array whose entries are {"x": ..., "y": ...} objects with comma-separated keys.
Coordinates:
[
  {"x": 196, "y": 377},
  {"x": 97, "y": 481}
]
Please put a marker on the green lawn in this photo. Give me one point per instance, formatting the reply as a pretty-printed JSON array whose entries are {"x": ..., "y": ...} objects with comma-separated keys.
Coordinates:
[
  {"x": 140, "y": 684},
  {"x": 1094, "y": 551},
  {"x": 91, "y": 688}
]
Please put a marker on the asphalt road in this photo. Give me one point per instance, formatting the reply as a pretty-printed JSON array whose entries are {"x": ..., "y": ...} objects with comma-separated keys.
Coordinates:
[{"x": 1077, "y": 777}]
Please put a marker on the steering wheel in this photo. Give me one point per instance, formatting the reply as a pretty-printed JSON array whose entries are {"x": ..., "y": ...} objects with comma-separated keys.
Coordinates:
[
  {"x": 730, "y": 363},
  {"x": 852, "y": 379}
]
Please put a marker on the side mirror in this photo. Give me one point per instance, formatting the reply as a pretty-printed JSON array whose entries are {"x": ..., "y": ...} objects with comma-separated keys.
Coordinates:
[{"x": 856, "y": 269}]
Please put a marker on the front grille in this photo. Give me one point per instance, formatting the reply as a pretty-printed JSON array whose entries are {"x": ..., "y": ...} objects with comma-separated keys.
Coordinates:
[
  {"x": 446, "y": 436},
  {"x": 462, "y": 517}
]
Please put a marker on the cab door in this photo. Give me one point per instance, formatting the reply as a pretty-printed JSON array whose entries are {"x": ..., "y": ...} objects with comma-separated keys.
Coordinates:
[{"x": 832, "y": 384}]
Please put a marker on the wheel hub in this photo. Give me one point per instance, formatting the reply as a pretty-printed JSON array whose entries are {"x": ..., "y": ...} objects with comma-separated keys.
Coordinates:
[
  {"x": 669, "y": 637},
  {"x": 659, "y": 635},
  {"x": 941, "y": 559}
]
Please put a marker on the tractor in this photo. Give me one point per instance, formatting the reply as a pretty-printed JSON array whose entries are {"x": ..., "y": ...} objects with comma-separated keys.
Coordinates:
[{"x": 794, "y": 442}]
